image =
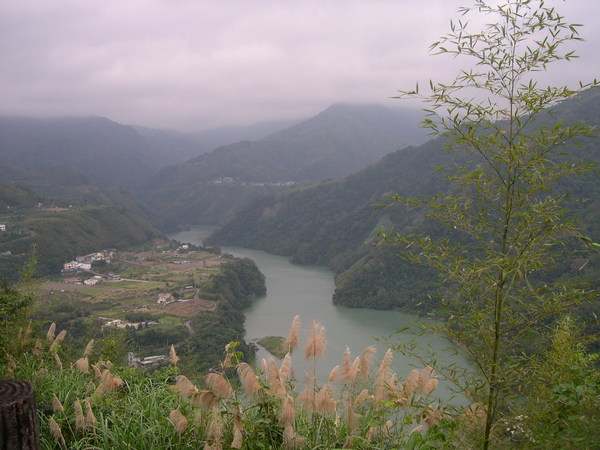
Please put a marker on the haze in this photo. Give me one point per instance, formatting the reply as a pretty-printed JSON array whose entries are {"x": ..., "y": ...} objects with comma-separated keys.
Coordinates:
[{"x": 193, "y": 65}]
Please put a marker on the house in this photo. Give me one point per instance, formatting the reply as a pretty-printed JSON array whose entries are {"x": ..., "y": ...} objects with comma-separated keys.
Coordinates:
[
  {"x": 164, "y": 298},
  {"x": 72, "y": 280},
  {"x": 93, "y": 281},
  {"x": 2, "y": 227}
]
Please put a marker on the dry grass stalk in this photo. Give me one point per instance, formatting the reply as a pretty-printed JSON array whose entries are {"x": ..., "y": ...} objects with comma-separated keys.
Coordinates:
[
  {"x": 89, "y": 348},
  {"x": 288, "y": 413},
  {"x": 411, "y": 383},
  {"x": 365, "y": 362},
  {"x": 215, "y": 427},
  {"x": 57, "y": 406},
  {"x": 56, "y": 432},
  {"x": 317, "y": 343},
  {"x": 274, "y": 378},
  {"x": 37, "y": 348},
  {"x": 184, "y": 387},
  {"x": 178, "y": 420},
  {"x": 354, "y": 370},
  {"x": 307, "y": 396},
  {"x": 11, "y": 365},
  {"x": 109, "y": 382},
  {"x": 333, "y": 375},
  {"x": 90, "y": 418},
  {"x": 51, "y": 331},
  {"x": 57, "y": 341},
  {"x": 350, "y": 415},
  {"x": 58, "y": 361},
  {"x": 238, "y": 432},
  {"x": 249, "y": 380},
  {"x": 227, "y": 361},
  {"x": 362, "y": 397},
  {"x": 285, "y": 370},
  {"x": 204, "y": 399},
  {"x": 173, "y": 358},
  {"x": 83, "y": 365},
  {"x": 386, "y": 363},
  {"x": 324, "y": 402},
  {"x": 345, "y": 367},
  {"x": 292, "y": 440},
  {"x": 97, "y": 372},
  {"x": 79, "y": 417},
  {"x": 291, "y": 342},
  {"x": 219, "y": 385}
]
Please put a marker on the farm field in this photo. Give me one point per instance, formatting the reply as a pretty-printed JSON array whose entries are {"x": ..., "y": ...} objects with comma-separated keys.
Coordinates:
[{"x": 129, "y": 291}]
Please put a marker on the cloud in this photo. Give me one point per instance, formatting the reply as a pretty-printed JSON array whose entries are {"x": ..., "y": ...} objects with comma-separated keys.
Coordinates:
[{"x": 196, "y": 64}]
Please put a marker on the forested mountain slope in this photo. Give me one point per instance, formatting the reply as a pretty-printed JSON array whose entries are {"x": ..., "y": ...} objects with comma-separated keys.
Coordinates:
[
  {"x": 104, "y": 151},
  {"x": 336, "y": 142},
  {"x": 335, "y": 223}
]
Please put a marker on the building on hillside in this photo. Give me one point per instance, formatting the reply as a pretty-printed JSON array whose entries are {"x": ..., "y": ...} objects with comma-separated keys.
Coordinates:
[
  {"x": 2, "y": 227},
  {"x": 164, "y": 298}
]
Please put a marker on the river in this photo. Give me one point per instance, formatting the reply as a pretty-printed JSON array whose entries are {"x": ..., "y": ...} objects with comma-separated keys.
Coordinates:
[{"x": 307, "y": 291}]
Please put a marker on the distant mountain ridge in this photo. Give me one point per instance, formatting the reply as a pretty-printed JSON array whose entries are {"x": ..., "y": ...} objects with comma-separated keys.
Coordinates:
[
  {"x": 338, "y": 141},
  {"x": 334, "y": 223},
  {"x": 105, "y": 151}
]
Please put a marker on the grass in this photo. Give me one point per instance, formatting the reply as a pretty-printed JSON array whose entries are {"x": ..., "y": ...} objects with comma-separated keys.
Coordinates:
[
  {"x": 236, "y": 407},
  {"x": 274, "y": 345}
]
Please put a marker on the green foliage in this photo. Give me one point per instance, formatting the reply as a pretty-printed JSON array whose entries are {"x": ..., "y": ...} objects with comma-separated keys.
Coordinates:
[
  {"x": 563, "y": 392},
  {"x": 510, "y": 218},
  {"x": 60, "y": 235}
]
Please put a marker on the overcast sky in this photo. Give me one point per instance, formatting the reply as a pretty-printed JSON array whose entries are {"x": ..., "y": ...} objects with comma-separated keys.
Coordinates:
[{"x": 194, "y": 64}]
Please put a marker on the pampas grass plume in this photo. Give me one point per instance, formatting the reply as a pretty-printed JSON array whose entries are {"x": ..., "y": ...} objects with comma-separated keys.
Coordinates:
[
  {"x": 56, "y": 432},
  {"x": 292, "y": 340},
  {"x": 184, "y": 387},
  {"x": 317, "y": 343},
  {"x": 365, "y": 362},
  {"x": 285, "y": 370},
  {"x": 51, "y": 331},
  {"x": 57, "y": 406},
  {"x": 288, "y": 413},
  {"x": 178, "y": 420},
  {"x": 89, "y": 348},
  {"x": 219, "y": 385},
  {"x": 58, "y": 361},
  {"x": 90, "y": 418},
  {"x": 83, "y": 365},
  {"x": 248, "y": 378},
  {"x": 173, "y": 358},
  {"x": 204, "y": 399},
  {"x": 57, "y": 341},
  {"x": 79, "y": 417},
  {"x": 324, "y": 402},
  {"x": 238, "y": 432}
]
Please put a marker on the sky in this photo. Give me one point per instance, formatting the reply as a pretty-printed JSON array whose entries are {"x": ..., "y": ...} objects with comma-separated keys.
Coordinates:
[{"x": 197, "y": 64}]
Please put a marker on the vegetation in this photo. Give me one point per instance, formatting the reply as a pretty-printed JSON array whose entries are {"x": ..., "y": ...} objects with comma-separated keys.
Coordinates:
[
  {"x": 508, "y": 219},
  {"x": 94, "y": 403}
]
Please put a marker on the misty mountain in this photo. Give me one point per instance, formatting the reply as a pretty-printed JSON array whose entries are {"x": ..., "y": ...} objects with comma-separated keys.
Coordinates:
[
  {"x": 333, "y": 144},
  {"x": 335, "y": 223},
  {"x": 102, "y": 150}
]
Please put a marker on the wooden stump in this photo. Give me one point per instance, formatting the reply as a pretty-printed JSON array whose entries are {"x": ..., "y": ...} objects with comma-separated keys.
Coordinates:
[{"x": 19, "y": 427}]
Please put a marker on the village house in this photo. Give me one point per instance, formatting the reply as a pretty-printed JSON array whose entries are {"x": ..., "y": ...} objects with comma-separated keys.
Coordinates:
[
  {"x": 164, "y": 298},
  {"x": 2, "y": 227}
]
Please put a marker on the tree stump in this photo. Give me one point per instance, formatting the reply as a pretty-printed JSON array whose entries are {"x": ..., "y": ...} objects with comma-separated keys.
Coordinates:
[{"x": 19, "y": 427}]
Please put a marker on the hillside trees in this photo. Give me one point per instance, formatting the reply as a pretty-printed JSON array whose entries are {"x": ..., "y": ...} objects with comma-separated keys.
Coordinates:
[{"x": 509, "y": 220}]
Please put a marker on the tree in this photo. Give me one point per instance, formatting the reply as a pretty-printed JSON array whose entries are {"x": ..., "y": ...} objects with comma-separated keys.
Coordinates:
[{"x": 506, "y": 219}]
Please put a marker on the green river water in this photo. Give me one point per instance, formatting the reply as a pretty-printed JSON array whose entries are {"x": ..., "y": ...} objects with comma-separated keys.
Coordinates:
[{"x": 307, "y": 291}]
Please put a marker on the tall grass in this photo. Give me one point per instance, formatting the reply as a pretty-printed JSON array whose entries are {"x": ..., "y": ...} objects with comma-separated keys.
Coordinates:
[{"x": 93, "y": 404}]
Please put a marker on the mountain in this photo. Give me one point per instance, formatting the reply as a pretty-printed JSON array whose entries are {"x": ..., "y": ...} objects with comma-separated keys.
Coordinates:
[
  {"x": 102, "y": 150},
  {"x": 334, "y": 143},
  {"x": 335, "y": 223}
]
